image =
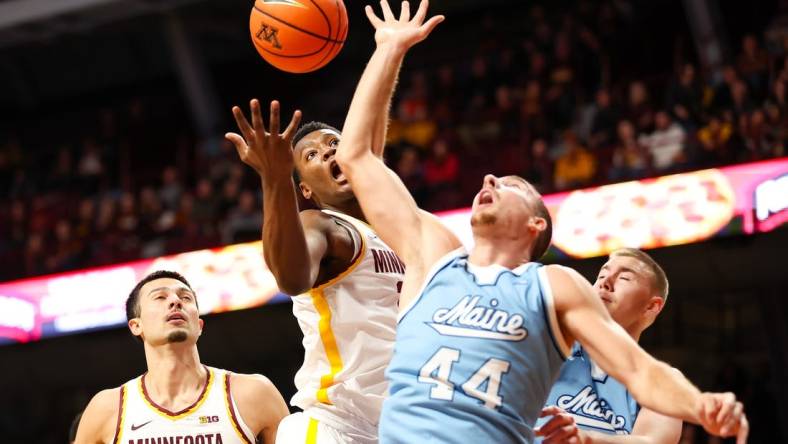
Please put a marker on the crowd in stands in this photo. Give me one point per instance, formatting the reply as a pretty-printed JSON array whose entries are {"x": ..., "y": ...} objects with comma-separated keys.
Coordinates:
[{"x": 547, "y": 105}]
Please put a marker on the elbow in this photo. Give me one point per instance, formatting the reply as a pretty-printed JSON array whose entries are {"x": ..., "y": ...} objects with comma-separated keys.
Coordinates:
[
  {"x": 292, "y": 288},
  {"x": 292, "y": 285}
]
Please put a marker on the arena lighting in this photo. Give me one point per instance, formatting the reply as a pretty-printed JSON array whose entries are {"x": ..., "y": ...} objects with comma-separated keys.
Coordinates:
[{"x": 669, "y": 210}]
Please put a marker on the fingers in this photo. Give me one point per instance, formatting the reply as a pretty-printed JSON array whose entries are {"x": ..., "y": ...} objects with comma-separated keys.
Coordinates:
[
  {"x": 427, "y": 28},
  {"x": 731, "y": 422},
  {"x": 242, "y": 123},
  {"x": 562, "y": 435},
  {"x": 373, "y": 19},
  {"x": 421, "y": 13},
  {"x": 292, "y": 127},
  {"x": 274, "y": 119},
  {"x": 728, "y": 403},
  {"x": 556, "y": 422},
  {"x": 404, "y": 14},
  {"x": 550, "y": 410},
  {"x": 744, "y": 430},
  {"x": 387, "y": 14},
  {"x": 257, "y": 117},
  {"x": 240, "y": 144}
]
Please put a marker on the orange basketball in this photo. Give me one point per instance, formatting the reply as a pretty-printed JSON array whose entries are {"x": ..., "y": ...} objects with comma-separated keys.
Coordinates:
[{"x": 298, "y": 35}]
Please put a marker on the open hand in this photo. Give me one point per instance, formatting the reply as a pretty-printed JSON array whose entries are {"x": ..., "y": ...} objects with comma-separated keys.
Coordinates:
[
  {"x": 403, "y": 32},
  {"x": 269, "y": 153}
]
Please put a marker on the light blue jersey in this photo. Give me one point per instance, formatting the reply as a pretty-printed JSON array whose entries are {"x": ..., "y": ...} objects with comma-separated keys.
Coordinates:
[
  {"x": 596, "y": 401},
  {"x": 475, "y": 356}
]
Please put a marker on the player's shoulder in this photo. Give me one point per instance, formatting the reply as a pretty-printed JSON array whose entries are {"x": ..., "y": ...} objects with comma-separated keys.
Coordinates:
[
  {"x": 100, "y": 416},
  {"x": 567, "y": 285},
  {"x": 106, "y": 401},
  {"x": 251, "y": 386}
]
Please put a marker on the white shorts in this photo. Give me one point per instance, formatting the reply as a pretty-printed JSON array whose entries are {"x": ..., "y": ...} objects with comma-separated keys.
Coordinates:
[{"x": 301, "y": 428}]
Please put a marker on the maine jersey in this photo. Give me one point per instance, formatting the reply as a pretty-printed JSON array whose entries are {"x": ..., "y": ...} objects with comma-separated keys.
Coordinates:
[
  {"x": 595, "y": 400},
  {"x": 349, "y": 326},
  {"x": 475, "y": 356},
  {"x": 212, "y": 419}
]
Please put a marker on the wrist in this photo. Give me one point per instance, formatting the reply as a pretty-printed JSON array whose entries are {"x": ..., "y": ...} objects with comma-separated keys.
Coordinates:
[
  {"x": 393, "y": 48},
  {"x": 273, "y": 181}
]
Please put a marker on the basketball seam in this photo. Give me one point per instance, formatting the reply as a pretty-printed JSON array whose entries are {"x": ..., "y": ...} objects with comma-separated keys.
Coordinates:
[
  {"x": 329, "y": 40},
  {"x": 322, "y": 61}
]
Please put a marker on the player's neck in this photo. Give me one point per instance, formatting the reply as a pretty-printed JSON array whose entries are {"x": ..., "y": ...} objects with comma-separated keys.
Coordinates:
[
  {"x": 173, "y": 369},
  {"x": 510, "y": 255},
  {"x": 351, "y": 208}
]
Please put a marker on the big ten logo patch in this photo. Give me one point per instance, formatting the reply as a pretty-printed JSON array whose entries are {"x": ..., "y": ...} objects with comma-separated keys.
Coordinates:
[{"x": 208, "y": 419}]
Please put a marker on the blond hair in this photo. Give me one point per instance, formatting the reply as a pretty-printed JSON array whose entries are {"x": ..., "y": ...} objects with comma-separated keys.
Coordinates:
[{"x": 660, "y": 279}]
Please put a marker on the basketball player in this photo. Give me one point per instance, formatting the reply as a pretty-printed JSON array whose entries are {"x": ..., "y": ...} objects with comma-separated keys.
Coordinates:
[
  {"x": 586, "y": 405},
  {"x": 179, "y": 399},
  {"x": 482, "y": 335},
  {"x": 344, "y": 279}
]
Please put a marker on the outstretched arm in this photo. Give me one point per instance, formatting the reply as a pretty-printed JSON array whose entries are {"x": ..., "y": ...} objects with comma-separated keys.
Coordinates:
[
  {"x": 292, "y": 254},
  {"x": 386, "y": 202},
  {"x": 654, "y": 384}
]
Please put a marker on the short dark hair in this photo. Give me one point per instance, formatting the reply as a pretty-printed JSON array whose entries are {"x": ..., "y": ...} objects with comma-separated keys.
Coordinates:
[
  {"x": 545, "y": 237},
  {"x": 133, "y": 301},
  {"x": 311, "y": 127},
  {"x": 72, "y": 431}
]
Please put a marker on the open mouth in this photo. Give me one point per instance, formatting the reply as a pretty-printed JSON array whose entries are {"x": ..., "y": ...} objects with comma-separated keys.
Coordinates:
[
  {"x": 485, "y": 197},
  {"x": 176, "y": 317},
  {"x": 336, "y": 172}
]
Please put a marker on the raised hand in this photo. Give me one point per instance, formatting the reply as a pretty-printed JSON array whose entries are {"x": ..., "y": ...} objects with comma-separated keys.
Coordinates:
[
  {"x": 268, "y": 152},
  {"x": 722, "y": 415},
  {"x": 561, "y": 428},
  {"x": 404, "y": 32}
]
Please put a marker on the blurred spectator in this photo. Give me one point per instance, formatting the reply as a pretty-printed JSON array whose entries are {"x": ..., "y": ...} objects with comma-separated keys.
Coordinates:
[
  {"x": 441, "y": 174},
  {"x": 684, "y": 98},
  {"x": 603, "y": 125},
  {"x": 64, "y": 255},
  {"x": 713, "y": 139},
  {"x": 753, "y": 64},
  {"x": 630, "y": 159},
  {"x": 411, "y": 172},
  {"x": 171, "y": 188},
  {"x": 205, "y": 207},
  {"x": 244, "y": 221},
  {"x": 758, "y": 137},
  {"x": 35, "y": 255},
  {"x": 576, "y": 167},
  {"x": 639, "y": 110},
  {"x": 723, "y": 93},
  {"x": 62, "y": 174},
  {"x": 90, "y": 166},
  {"x": 540, "y": 168},
  {"x": 665, "y": 144}
]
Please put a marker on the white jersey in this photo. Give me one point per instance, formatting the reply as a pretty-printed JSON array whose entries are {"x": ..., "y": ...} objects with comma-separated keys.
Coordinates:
[
  {"x": 212, "y": 419},
  {"x": 349, "y": 326}
]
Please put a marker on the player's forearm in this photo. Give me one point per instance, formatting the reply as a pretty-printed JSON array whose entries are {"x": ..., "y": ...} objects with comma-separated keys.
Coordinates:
[
  {"x": 665, "y": 390},
  {"x": 367, "y": 118},
  {"x": 284, "y": 244}
]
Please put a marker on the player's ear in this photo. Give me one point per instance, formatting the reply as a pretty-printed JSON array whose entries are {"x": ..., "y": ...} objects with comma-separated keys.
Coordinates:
[
  {"x": 537, "y": 224},
  {"x": 135, "y": 325},
  {"x": 654, "y": 306},
  {"x": 305, "y": 190}
]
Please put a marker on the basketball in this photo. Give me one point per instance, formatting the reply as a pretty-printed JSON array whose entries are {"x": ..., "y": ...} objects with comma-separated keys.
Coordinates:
[{"x": 298, "y": 36}]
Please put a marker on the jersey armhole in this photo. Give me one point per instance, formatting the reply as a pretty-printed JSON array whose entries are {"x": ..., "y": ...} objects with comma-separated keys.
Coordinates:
[
  {"x": 359, "y": 247},
  {"x": 439, "y": 265},
  {"x": 240, "y": 427},
  {"x": 551, "y": 319},
  {"x": 121, "y": 415}
]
